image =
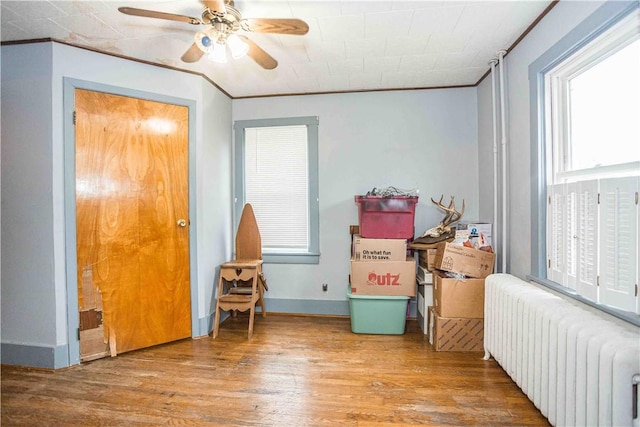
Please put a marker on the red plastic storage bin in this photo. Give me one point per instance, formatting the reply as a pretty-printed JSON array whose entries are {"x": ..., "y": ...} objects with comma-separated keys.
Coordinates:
[{"x": 386, "y": 217}]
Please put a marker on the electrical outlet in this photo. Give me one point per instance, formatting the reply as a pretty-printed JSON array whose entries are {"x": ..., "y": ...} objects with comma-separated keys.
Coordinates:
[{"x": 325, "y": 287}]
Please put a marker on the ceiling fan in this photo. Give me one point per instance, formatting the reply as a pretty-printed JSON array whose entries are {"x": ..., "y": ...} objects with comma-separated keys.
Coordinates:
[{"x": 222, "y": 21}]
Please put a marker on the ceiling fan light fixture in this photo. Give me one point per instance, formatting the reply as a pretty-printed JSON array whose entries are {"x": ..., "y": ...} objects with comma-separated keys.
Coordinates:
[
  {"x": 219, "y": 53},
  {"x": 221, "y": 20},
  {"x": 238, "y": 47},
  {"x": 203, "y": 41}
]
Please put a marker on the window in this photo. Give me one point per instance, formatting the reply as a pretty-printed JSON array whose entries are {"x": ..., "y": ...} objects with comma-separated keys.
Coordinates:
[
  {"x": 588, "y": 158},
  {"x": 277, "y": 172}
]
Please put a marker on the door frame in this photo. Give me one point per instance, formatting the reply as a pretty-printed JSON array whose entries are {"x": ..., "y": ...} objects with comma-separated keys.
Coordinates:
[{"x": 71, "y": 257}]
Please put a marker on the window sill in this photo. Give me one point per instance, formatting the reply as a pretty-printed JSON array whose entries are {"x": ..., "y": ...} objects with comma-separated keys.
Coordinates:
[{"x": 629, "y": 317}]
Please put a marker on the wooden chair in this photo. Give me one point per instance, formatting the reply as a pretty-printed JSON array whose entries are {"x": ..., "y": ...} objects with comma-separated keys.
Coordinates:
[{"x": 242, "y": 284}]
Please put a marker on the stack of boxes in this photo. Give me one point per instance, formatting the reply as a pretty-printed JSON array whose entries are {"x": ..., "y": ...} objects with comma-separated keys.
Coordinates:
[
  {"x": 456, "y": 318},
  {"x": 382, "y": 275}
]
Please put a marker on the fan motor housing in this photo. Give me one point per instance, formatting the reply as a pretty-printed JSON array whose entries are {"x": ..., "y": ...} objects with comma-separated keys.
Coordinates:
[{"x": 231, "y": 18}]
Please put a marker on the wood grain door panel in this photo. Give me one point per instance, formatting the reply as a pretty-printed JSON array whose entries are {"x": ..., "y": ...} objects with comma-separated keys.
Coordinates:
[{"x": 131, "y": 190}]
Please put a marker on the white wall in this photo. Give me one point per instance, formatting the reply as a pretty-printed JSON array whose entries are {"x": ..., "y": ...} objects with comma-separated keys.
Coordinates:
[
  {"x": 557, "y": 23},
  {"x": 213, "y": 196},
  {"x": 408, "y": 139},
  {"x": 34, "y": 286},
  {"x": 28, "y": 311}
]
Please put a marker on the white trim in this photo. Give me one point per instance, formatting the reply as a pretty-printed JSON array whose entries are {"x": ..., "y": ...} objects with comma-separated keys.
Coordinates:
[
  {"x": 611, "y": 171},
  {"x": 623, "y": 33}
]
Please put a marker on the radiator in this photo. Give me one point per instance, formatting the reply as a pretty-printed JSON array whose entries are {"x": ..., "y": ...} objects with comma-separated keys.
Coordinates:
[{"x": 578, "y": 367}]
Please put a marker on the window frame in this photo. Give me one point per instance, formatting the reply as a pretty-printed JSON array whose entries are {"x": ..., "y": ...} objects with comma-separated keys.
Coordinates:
[
  {"x": 542, "y": 167},
  {"x": 312, "y": 255},
  {"x": 557, "y": 83}
]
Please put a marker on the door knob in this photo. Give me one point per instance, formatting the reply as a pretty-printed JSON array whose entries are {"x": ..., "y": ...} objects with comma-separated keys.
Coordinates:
[{"x": 182, "y": 223}]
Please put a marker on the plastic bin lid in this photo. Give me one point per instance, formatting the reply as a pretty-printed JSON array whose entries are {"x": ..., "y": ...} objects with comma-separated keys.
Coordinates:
[
  {"x": 350, "y": 295},
  {"x": 357, "y": 198}
]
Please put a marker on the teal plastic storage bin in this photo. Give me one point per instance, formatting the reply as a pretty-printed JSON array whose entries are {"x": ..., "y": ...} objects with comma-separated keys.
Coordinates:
[{"x": 377, "y": 314}]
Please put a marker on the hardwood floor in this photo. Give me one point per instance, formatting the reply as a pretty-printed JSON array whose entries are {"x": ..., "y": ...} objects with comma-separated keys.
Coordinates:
[{"x": 295, "y": 371}]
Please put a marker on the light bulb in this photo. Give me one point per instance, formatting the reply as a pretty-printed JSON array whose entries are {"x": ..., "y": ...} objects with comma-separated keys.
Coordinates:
[
  {"x": 203, "y": 41},
  {"x": 219, "y": 53},
  {"x": 238, "y": 47}
]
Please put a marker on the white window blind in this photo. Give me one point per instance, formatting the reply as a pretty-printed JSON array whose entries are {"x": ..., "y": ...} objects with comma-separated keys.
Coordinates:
[
  {"x": 276, "y": 185},
  {"x": 570, "y": 234},
  {"x": 587, "y": 239},
  {"x": 593, "y": 247},
  {"x": 556, "y": 240},
  {"x": 619, "y": 242}
]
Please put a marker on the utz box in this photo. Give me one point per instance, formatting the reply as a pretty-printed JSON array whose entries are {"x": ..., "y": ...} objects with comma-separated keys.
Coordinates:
[
  {"x": 454, "y": 297},
  {"x": 397, "y": 278},
  {"x": 461, "y": 259},
  {"x": 379, "y": 249},
  {"x": 455, "y": 334}
]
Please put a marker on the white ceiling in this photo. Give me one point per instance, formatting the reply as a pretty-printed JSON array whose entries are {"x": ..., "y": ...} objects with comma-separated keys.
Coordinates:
[{"x": 352, "y": 45}]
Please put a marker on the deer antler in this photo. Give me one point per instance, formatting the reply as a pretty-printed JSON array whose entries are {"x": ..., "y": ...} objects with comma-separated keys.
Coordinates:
[{"x": 451, "y": 216}]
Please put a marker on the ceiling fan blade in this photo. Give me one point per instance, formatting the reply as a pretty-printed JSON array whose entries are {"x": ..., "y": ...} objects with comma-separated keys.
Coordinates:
[
  {"x": 215, "y": 5},
  {"x": 276, "y": 26},
  {"x": 261, "y": 57},
  {"x": 159, "y": 15},
  {"x": 193, "y": 54}
]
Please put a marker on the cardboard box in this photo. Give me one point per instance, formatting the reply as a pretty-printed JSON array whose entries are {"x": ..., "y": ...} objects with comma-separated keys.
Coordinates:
[
  {"x": 384, "y": 277},
  {"x": 477, "y": 228},
  {"x": 379, "y": 249},
  {"x": 455, "y": 334},
  {"x": 431, "y": 320},
  {"x": 424, "y": 301},
  {"x": 426, "y": 258},
  {"x": 458, "y": 297},
  {"x": 460, "y": 259}
]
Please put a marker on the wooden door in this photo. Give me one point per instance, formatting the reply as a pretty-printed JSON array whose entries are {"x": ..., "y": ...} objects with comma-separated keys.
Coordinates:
[{"x": 132, "y": 223}]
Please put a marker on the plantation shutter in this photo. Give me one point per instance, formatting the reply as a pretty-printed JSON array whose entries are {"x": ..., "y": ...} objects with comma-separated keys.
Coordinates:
[
  {"x": 587, "y": 240},
  {"x": 555, "y": 233},
  {"x": 619, "y": 242},
  {"x": 276, "y": 184},
  {"x": 570, "y": 234}
]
